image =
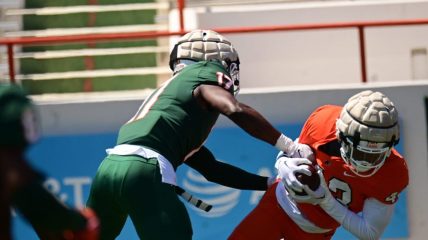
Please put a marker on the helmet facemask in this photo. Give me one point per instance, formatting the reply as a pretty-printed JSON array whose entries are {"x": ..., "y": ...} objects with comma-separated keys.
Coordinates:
[
  {"x": 364, "y": 158},
  {"x": 233, "y": 69}
]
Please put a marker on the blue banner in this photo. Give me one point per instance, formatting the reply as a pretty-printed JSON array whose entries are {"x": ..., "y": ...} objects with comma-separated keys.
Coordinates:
[{"x": 71, "y": 162}]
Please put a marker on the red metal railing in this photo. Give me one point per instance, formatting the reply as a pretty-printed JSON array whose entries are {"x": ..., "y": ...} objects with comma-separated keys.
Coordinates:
[{"x": 11, "y": 42}]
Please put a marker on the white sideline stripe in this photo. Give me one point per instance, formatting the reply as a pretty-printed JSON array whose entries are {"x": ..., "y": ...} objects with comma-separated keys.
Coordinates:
[
  {"x": 90, "y": 52},
  {"x": 95, "y": 73},
  {"x": 88, "y": 9},
  {"x": 87, "y": 30}
]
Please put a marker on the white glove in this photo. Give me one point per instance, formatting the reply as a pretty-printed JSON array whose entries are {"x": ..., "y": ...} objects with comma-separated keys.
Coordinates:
[
  {"x": 288, "y": 167},
  {"x": 302, "y": 151},
  {"x": 319, "y": 196}
]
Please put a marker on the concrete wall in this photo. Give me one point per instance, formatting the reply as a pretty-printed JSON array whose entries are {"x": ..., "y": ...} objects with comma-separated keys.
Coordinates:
[
  {"x": 99, "y": 114},
  {"x": 303, "y": 57}
]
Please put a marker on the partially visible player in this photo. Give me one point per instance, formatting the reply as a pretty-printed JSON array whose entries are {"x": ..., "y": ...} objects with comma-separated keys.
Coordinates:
[
  {"x": 21, "y": 185},
  {"x": 361, "y": 172},
  {"x": 138, "y": 177}
]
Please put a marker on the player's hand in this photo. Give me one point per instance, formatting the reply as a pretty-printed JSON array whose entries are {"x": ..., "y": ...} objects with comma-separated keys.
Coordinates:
[
  {"x": 314, "y": 197},
  {"x": 90, "y": 232},
  {"x": 302, "y": 151},
  {"x": 288, "y": 167}
]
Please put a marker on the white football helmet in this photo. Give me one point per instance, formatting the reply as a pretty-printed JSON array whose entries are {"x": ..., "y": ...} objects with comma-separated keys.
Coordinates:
[
  {"x": 204, "y": 45},
  {"x": 367, "y": 129}
]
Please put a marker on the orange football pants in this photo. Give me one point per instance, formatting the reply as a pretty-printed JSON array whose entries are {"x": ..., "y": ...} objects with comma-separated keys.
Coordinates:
[{"x": 268, "y": 221}]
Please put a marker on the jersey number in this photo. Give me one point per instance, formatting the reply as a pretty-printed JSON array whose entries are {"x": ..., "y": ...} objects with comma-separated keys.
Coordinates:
[
  {"x": 392, "y": 198},
  {"x": 341, "y": 189},
  {"x": 342, "y": 192},
  {"x": 224, "y": 80}
]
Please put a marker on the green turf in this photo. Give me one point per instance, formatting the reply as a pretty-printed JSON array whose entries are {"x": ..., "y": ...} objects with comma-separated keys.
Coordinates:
[{"x": 32, "y": 66}]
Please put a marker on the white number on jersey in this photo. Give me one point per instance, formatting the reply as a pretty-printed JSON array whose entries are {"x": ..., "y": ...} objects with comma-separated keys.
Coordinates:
[
  {"x": 342, "y": 188},
  {"x": 392, "y": 198}
]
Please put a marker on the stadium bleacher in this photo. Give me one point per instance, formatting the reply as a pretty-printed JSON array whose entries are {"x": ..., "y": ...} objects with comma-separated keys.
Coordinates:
[{"x": 84, "y": 67}]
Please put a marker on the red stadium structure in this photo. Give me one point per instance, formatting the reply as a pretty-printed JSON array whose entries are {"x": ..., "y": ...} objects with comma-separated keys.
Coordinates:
[{"x": 10, "y": 42}]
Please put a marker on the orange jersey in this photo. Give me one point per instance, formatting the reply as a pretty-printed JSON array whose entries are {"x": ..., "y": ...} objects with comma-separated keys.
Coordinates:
[{"x": 348, "y": 188}]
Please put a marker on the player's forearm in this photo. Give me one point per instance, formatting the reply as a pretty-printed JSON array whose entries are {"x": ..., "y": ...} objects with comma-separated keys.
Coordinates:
[
  {"x": 234, "y": 177},
  {"x": 370, "y": 225},
  {"x": 255, "y": 124},
  {"x": 222, "y": 173}
]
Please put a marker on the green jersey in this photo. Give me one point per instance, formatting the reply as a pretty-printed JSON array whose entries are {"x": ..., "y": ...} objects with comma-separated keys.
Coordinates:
[
  {"x": 170, "y": 121},
  {"x": 17, "y": 126}
]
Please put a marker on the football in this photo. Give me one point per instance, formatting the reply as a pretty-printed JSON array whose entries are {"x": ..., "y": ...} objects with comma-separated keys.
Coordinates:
[{"x": 313, "y": 181}]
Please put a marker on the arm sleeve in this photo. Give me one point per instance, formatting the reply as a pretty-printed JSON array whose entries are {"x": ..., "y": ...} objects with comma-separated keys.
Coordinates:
[
  {"x": 369, "y": 225},
  {"x": 225, "y": 174}
]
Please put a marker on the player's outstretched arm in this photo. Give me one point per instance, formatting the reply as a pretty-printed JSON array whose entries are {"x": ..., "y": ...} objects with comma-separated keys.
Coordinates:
[
  {"x": 225, "y": 174},
  {"x": 217, "y": 99}
]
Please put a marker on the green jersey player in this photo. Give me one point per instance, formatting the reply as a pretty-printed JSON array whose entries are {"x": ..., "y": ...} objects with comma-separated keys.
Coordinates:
[
  {"x": 138, "y": 179},
  {"x": 21, "y": 185}
]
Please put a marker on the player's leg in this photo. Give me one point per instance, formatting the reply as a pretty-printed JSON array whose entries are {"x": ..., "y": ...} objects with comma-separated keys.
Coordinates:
[
  {"x": 103, "y": 198},
  {"x": 153, "y": 206},
  {"x": 262, "y": 222}
]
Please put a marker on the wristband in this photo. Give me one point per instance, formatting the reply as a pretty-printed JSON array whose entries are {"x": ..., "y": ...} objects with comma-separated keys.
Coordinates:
[{"x": 286, "y": 145}]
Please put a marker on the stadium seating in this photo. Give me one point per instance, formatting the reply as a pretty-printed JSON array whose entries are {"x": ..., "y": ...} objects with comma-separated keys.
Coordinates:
[{"x": 102, "y": 66}]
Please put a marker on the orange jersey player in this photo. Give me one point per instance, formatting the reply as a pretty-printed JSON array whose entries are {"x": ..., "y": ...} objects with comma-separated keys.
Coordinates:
[{"x": 361, "y": 173}]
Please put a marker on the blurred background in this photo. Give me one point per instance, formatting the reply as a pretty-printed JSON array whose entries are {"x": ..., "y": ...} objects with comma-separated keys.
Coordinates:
[{"x": 88, "y": 64}]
